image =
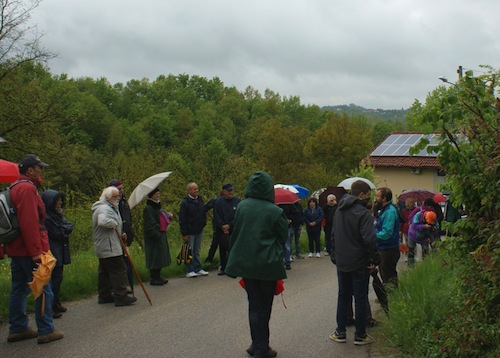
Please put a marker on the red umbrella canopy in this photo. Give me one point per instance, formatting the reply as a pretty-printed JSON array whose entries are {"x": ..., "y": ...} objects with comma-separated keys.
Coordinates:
[
  {"x": 439, "y": 198},
  {"x": 283, "y": 196},
  {"x": 9, "y": 172}
]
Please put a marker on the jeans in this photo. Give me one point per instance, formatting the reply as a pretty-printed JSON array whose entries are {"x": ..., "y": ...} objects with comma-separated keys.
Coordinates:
[
  {"x": 355, "y": 282},
  {"x": 387, "y": 267},
  {"x": 195, "y": 243},
  {"x": 296, "y": 235},
  {"x": 260, "y": 302},
  {"x": 288, "y": 246},
  {"x": 412, "y": 245},
  {"x": 22, "y": 269}
]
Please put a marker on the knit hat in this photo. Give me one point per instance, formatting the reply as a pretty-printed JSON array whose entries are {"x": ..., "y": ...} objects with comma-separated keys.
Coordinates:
[
  {"x": 115, "y": 182},
  {"x": 430, "y": 217}
]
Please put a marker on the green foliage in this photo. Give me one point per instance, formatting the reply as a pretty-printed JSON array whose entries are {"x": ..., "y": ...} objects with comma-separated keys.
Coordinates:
[
  {"x": 420, "y": 305},
  {"x": 466, "y": 116}
]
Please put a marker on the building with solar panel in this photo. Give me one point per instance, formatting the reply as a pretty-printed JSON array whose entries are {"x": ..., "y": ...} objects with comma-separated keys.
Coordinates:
[{"x": 396, "y": 169}]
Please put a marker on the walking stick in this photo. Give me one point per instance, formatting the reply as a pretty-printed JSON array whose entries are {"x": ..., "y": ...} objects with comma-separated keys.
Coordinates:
[{"x": 125, "y": 250}]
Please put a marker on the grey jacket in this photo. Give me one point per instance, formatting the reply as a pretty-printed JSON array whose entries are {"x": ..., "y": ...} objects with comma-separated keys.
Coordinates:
[{"x": 106, "y": 222}]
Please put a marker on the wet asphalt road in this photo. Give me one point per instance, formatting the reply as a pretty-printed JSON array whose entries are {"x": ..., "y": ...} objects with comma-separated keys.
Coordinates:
[{"x": 201, "y": 317}]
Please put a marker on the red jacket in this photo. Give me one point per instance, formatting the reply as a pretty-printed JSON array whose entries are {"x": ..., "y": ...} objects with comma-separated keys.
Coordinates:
[{"x": 30, "y": 211}]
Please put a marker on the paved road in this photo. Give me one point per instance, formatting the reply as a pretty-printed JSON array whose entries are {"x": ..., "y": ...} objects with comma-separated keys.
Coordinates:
[{"x": 201, "y": 317}]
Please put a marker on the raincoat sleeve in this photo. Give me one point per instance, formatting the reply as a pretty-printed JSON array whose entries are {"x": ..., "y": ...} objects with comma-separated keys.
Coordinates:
[
  {"x": 282, "y": 228},
  {"x": 369, "y": 238},
  {"x": 385, "y": 228},
  {"x": 151, "y": 224},
  {"x": 107, "y": 220}
]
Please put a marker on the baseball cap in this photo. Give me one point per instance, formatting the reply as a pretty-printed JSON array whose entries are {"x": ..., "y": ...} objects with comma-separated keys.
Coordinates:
[
  {"x": 228, "y": 187},
  {"x": 31, "y": 160}
]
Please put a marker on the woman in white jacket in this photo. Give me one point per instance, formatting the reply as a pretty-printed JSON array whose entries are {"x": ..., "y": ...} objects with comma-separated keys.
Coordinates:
[{"x": 112, "y": 273}]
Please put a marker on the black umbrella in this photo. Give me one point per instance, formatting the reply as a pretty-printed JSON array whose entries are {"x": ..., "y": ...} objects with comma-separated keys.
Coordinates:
[{"x": 380, "y": 291}]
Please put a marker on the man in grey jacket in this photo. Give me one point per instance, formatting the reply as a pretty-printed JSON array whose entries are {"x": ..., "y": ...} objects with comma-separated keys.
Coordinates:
[
  {"x": 355, "y": 252},
  {"x": 107, "y": 227}
]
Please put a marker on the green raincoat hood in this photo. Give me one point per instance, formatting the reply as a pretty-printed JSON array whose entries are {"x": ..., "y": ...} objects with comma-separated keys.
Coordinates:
[{"x": 260, "y": 186}]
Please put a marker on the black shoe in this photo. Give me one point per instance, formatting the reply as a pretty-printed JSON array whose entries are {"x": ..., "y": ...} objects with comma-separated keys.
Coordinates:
[
  {"x": 288, "y": 267},
  {"x": 157, "y": 282},
  {"x": 103, "y": 300},
  {"x": 125, "y": 301},
  {"x": 250, "y": 350},
  {"x": 165, "y": 281},
  {"x": 59, "y": 308},
  {"x": 271, "y": 353},
  {"x": 221, "y": 273},
  {"x": 56, "y": 314}
]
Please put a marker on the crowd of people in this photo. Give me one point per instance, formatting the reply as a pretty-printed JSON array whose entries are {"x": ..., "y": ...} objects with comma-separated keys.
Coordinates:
[{"x": 254, "y": 237}]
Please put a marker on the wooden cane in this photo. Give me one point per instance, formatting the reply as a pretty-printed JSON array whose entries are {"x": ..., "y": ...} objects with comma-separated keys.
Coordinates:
[{"x": 125, "y": 250}]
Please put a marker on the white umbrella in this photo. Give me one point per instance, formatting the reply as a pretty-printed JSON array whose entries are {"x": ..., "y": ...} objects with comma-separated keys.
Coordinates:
[
  {"x": 145, "y": 187},
  {"x": 346, "y": 183},
  {"x": 287, "y": 187}
]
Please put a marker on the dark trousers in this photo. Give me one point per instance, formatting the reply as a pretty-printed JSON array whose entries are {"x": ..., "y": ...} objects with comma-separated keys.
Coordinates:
[
  {"x": 260, "y": 302},
  {"x": 314, "y": 237},
  {"x": 353, "y": 283},
  {"x": 223, "y": 242},
  {"x": 213, "y": 247},
  {"x": 130, "y": 273},
  {"x": 112, "y": 277},
  {"x": 56, "y": 280},
  {"x": 328, "y": 238},
  {"x": 387, "y": 267}
]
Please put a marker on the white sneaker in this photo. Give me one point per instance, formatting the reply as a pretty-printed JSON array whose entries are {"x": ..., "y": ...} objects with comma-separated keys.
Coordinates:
[
  {"x": 291, "y": 258},
  {"x": 192, "y": 274},
  {"x": 318, "y": 255},
  {"x": 310, "y": 254},
  {"x": 202, "y": 273}
]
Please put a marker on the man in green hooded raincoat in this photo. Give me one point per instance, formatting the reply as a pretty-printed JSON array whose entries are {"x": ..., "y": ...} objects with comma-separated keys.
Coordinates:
[{"x": 256, "y": 255}]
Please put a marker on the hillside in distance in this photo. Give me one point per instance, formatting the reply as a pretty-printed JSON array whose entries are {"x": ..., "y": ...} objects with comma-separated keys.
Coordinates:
[{"x": 385, "y": 114}]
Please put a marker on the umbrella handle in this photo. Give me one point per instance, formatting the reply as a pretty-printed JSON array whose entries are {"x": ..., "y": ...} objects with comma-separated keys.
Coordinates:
[{"x": 125, "y": 250}]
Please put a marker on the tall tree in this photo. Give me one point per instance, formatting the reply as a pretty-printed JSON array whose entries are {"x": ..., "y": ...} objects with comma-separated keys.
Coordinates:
[{"x": 19, "y": 41}]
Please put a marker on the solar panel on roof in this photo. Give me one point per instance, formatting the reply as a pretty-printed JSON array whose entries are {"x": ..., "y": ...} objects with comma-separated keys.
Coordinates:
[{"x": 397, "y": 145}]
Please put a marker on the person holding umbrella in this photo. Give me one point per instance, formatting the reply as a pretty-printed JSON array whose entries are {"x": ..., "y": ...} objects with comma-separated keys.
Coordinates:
[
  {"x": 26, "y": 253},
  {"x": 156, "y": 221}
]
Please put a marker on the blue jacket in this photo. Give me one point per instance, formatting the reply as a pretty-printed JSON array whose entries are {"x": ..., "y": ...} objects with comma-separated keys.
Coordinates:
[{"x": 387, "y": 228}]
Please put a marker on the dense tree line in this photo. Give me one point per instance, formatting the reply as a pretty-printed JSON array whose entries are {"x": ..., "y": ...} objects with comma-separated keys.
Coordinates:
[{"x": 90, "y": 130}]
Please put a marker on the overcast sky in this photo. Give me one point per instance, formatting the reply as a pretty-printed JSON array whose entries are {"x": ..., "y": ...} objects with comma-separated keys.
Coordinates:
[{"x": 373, "y": 53}]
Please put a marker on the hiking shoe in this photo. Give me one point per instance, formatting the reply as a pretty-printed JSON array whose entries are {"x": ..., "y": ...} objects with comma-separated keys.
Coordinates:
[
  {"x": 202, "y": 272},
  {"x": 361, "y": 341},
  {"x": 59, "y": 308},
  {"x": 125, "y": 301},
  {"x": 29, "y": 333},
  {"x": 54, "y": 336},
  {"x": 157, "y": 282},
  {"x": 192, "y": 274},
  {"x": 103, "y": 300},
  {"x": 338, "y": 337}
]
